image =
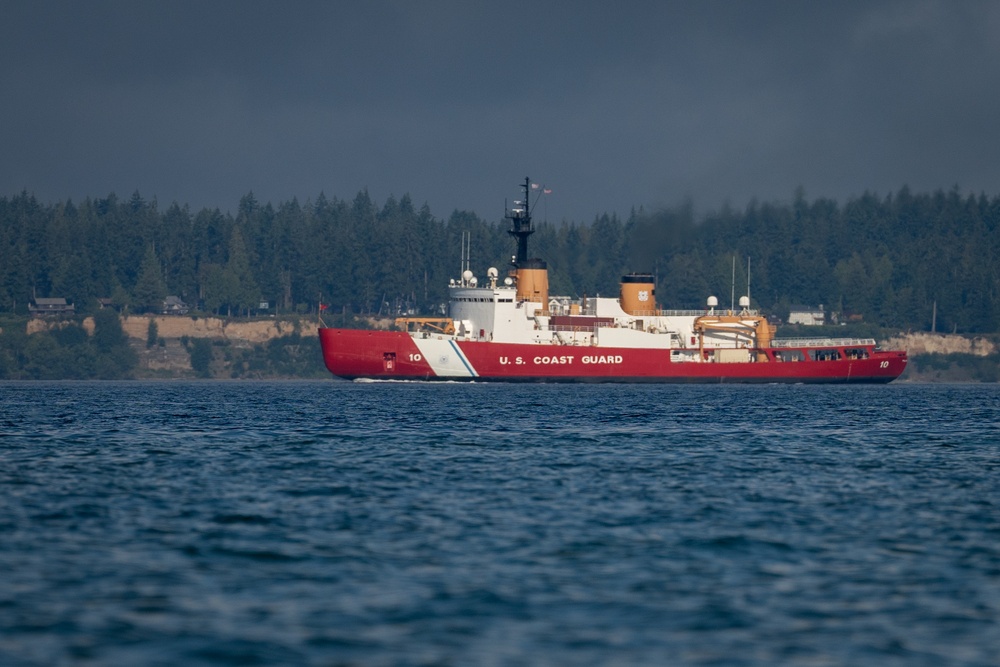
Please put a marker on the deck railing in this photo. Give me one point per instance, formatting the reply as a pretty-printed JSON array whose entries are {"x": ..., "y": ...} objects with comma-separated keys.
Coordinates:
[
  {"x": 822, "y": 342},
  {"x": 568, "y": 329},
  {"x": 673, "y": 313}
]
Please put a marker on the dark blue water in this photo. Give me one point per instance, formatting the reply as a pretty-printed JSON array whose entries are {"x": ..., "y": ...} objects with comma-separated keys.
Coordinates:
[{"x": 330, "y": 523}]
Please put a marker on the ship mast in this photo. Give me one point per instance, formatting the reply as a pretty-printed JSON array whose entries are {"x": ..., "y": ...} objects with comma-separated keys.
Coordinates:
[
  {"x": 520, "y": 224},
  {"x": 530, "y": 275}
]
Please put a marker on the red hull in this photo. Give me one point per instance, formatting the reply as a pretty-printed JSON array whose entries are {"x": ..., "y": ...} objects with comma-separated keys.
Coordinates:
[{"x": 352, "y": 354}]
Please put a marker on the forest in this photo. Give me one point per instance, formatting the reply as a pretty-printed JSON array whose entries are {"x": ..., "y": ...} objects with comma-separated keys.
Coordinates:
[{"x": 897, "y": 260}]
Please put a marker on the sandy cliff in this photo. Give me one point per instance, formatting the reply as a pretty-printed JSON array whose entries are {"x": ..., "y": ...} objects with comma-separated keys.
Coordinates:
[
  {"x": 137, "y": 326},
  {"x": 928, "y": 343},
  {"x": 261, "y": 331}
]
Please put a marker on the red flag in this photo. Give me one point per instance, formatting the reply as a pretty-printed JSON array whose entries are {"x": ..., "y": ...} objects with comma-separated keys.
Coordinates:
[
  {"x": 322, "y": 306},
  {"x": 546, "y": 191}
]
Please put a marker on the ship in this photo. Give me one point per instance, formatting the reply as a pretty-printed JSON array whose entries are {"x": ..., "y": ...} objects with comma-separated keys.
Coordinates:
[{"x": 513, "y": 330}]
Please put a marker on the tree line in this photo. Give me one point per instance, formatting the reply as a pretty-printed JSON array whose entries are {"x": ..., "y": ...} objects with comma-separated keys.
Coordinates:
[
  {"x": 904, "y": 260},
  {"x": 68, "y": 352}
]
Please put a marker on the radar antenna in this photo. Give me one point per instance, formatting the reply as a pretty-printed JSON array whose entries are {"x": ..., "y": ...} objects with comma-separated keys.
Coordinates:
[{"x": 520, "y": 223}]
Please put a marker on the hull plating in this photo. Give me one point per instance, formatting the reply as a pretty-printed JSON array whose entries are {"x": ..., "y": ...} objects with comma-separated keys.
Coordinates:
[{"x": 353, "y": 354}]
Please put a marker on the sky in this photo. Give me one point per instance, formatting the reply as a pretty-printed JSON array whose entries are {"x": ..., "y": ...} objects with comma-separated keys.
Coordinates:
[{"x": 612, "y": 106}]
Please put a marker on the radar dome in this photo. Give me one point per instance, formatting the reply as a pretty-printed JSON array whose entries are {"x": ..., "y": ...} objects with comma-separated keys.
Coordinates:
[
  {"x": 712, "y": 302},
  {"x": 467, "y": 275},
  {"x": 508, "y": 281},
  {"x": 492, "y": 272},
  {"x": 744, "y": 302}
]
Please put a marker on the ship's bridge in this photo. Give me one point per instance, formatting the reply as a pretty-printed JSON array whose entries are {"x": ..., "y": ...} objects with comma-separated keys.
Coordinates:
[{"x": 477, "y": 311}]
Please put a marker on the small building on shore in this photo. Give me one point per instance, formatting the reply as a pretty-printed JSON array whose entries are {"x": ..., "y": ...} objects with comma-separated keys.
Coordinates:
[
  {"x": 807, "y": 315},
  {"x": 173, "y": 305},
  {"x": 50, "y": 307}
]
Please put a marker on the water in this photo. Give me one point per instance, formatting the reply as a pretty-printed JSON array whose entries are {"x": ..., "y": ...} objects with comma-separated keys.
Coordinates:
[{"x": 326, "y": 523}]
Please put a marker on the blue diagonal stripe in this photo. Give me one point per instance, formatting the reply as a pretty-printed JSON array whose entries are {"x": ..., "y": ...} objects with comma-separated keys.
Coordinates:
[{"x": 462, "y": 358}]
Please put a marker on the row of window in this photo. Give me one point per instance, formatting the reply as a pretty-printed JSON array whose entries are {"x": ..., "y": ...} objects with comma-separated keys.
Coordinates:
[{"x": 481, "y": 300}]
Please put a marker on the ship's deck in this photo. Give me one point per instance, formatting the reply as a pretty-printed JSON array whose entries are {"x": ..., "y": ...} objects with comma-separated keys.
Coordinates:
[{"x": 823, "y": 342}]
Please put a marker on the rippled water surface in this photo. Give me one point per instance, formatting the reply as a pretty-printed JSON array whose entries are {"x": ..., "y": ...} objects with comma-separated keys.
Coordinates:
[{"x": 329, "y": 523}]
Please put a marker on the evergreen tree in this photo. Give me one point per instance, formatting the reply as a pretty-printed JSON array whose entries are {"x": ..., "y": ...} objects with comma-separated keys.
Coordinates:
[
  {"x": 114, "y": 359},
  {"x": 108, "y": 333},
  {"x": 243, "y": 293},
  {"x": 152, "y": 333},
  {"x": 201, "y": 357},
  {"x": 888, "y": 259},
  {"x": 150, "y": 290}
]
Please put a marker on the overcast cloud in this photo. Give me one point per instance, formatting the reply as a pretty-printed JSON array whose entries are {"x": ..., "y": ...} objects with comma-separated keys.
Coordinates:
[{"x": 611, "y": 105}]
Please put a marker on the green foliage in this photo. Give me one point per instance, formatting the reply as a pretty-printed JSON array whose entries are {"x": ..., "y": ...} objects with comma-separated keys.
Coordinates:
[
  {"x": 243, "y": 292},
  {"x": 70, "y": 335},
  {"x": 152, "y": 333},
  {"x": 887, "y": 259},
  {"x": 201, "y": 356},
  {"x": 150, "y": 289},
  {"x": 67, "y": 352},
  {"x": 288, "y": 356},
  {"x": 108, "y": 333},
  {"x": 115, "y": 358},
  {"x": 959, "y": 366}
]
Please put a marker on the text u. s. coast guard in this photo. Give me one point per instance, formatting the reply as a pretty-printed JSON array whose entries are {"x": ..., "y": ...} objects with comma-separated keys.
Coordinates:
[{"x": 562, "y": 359}]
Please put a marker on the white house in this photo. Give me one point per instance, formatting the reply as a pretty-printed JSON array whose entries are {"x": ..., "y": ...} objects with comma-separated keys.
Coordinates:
[{"x": 807, "y": 315}]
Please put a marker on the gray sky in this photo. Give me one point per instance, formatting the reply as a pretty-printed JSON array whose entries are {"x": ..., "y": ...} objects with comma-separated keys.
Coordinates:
[{"x": 612, "y": 105}]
